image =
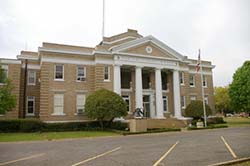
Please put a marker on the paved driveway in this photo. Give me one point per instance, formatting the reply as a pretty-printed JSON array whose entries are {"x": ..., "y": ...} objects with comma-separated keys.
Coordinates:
[{"x": 178, "y": 148}]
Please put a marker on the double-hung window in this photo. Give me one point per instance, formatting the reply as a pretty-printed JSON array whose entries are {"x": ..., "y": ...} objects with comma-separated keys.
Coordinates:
[
  {"x": 31, "y": 77},
  {"x": 182, "y": 78},
  {"x": 4, "y": 72},
  {"x": 183, "y": 102},
  {"x": 127, "y": 100},
  {"x": 165, "y": 103},
  {"x": 106, "y": 73},
  {"x": 81, "y": 73},
  {"x": 30, "y": 106},
  {"x": 192, "y": 80},
  {"x": 58, "y": 104},
  {"x": 204, "y": 81},
  {"x": 80, "y": 103},
  {"x": 59, "y": 72}
]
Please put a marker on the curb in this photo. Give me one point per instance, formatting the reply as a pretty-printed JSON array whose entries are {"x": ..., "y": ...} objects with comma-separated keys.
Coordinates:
[{"x": 231, "y": 162}]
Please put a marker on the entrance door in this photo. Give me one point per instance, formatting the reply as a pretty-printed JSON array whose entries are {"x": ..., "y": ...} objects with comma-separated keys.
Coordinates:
[{"x": 146, "y": 105}]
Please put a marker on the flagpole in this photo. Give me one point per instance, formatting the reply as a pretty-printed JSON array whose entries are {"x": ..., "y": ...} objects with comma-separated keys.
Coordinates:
[
  {"x": 202, "y": 93},
  {"x": 103, "y": 18}
]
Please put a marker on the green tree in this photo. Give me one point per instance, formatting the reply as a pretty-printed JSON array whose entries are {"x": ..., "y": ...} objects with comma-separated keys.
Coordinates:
[
  {"x": 195, "y": 109},
  {"x": 104, "y": 105},
  {"x": 239, "y": 90},
  {"x": 222, "y": 100},
  {"x": 7, "y": 100}
]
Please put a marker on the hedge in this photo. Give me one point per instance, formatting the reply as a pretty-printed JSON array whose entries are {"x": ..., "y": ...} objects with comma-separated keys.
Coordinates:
[{"x": 34, "y": 125}]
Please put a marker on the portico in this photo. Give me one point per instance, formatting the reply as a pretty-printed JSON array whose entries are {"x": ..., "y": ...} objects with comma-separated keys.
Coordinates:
[{"x": 147, "y": 87}]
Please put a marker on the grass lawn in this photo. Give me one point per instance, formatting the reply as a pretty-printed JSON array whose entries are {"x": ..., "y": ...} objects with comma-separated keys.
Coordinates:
[
  {"x": 13, "y": 137},
  {"x": 247, "y": 163},
  {"x": 237, "y": 121}
]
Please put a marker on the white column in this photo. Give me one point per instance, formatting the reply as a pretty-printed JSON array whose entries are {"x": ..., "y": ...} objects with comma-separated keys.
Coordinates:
[
  {"x": 177, "y": 101},
  {"x": 117, "y": 79},
  {"x": 138, "y": 87},
  {"x": 158, "y": 94}
]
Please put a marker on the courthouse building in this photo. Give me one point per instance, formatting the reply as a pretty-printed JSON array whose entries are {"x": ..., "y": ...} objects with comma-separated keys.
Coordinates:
[{"x": 52, "y": 84}]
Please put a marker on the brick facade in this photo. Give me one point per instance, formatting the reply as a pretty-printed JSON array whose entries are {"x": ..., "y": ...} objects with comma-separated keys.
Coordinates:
[{"x": 128, "y": 49}]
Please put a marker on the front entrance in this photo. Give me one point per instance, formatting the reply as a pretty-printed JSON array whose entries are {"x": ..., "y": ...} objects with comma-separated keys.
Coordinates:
[{"x": 146, "y": 105}]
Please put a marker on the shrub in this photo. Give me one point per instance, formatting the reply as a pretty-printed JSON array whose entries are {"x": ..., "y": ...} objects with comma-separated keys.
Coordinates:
[
  {"x": 35, "y": 125},
  {"x": 215, "y": 120},
  {"x": 195, "y": 109},
  {"x": 105, "y": 105}
]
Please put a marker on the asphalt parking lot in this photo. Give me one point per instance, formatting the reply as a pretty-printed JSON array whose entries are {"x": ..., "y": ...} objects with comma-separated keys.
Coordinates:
[{"x": 204, "y": 147}]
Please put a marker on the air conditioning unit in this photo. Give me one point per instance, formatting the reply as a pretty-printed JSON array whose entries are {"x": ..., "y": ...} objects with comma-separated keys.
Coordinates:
[
  {"x": 81, "y": 78},
  {"x": 80, "y": 111}
]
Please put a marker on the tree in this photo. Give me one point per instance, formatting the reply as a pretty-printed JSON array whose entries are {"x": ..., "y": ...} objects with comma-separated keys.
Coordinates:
[
  {"x": 222, "y": 100},
  {"x": 105, "y": 105},
  {"x": 195, "y": 109},
  {"x": 239, "y": 90},
  {"x": 7, "y": 100}
]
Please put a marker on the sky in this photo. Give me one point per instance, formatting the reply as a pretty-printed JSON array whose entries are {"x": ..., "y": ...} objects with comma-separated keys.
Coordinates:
[{"x": 220, "y": 28}]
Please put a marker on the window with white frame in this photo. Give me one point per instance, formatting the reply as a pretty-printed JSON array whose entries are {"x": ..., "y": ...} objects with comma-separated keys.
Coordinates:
[
  {"x": 30, "y": 105},
  {"x": 4, "y": 71},
  {"x": 204, "y": 83},
  {"x": 182, "y": 78},
  {"x": 192, "y": 98},
  {"x": 81, "y": 73},
  {"x": 80, "y": 103},
  {"x": 192, "y": 80},
  {"x": 127, "y": 100},
  {"x": 58, "y": 104},
  {"x": 31, "y": 77},
  {"x": 183, "y": 102},
  {"x": 106, "y": 73},
  {"x": 206, "y": 99},
  {"x": 165, "y": 103},
  {"x": 59, "y": 72}
]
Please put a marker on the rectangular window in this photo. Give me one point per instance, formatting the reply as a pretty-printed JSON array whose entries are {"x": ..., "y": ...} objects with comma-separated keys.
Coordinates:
[
  {"x": 106, "y": 73},
  {"x": 30, "y": 105},
  {"x": 58, "y": 104},
  {"x": 165, "y": 103},
  {"x": 59, "y": 72},
  {"x": 4, "y": 73},
  {"x": 81, "y": 73},
  {"x": 164, "y": 80},
  {"x": 31, "y": 77},
  {"x": 182, "y": 78},
  {"x": 127, "y": 100},
  {"x": 192, "y": 98},
  {"x": 206, "y": 99},
  {"x": 204, "y": 81},
  {"x": 183, "y": 102},
  {"x": 192, "y": 80},
  {"x": 80, "y": 103}
]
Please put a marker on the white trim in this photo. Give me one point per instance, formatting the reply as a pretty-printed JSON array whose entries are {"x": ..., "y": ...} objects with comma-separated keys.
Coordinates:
[
  {"x": 10, "y": 61},
  {"x": 68, "y": 61},
  {"x": 29, "y": 57},
  {"x": 118, "y": 40},
  {"x": 58, "y": 79},
  {"x": 145, "y": 56},
  {"x": 206, "y": 66},
  {"x": 32, "y": 66},
  {"x": 205, "y": 80},
  {"x": 34, "y": 108},
  {"x": 32, "y": 83},
  {"x": 42, "y": 49},
  {"x": 204, "y": 72},
  {"x": 78, "y": 106},
  {"x": 54, "y": 106}
]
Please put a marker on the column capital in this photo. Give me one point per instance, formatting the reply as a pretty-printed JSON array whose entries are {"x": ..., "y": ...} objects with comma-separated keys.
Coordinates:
[
  {"x": 117, "y": 65},
  {"x": 139, "y": 66},
  {"x": 158, "y": 68}
]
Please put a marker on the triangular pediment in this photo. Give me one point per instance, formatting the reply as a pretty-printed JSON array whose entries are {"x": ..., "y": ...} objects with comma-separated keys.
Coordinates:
[{"x": 148, "y": 46}]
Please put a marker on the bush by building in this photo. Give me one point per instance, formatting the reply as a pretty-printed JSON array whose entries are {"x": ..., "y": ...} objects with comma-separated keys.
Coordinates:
[{"x": 195, "y": 110}]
